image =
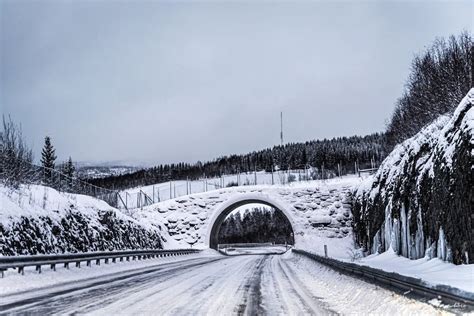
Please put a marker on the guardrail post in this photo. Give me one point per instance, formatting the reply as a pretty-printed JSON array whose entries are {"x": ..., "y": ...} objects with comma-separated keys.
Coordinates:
[
  {"x": 53, "y": 267},
  {"x": 88, "y": 263},
  {"x": 21, "y": 270},
  {"x": 78, "y": 264},
  {"x": 106, "y": 261},
  {"x": 97, "y": 262},
  {"x": 326, "y": 251},
  {"x": 66, "y": 265},
  {"x": 38, "y": 268}
]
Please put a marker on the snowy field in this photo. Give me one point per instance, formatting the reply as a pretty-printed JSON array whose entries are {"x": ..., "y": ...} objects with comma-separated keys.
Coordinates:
[{"x": 204, "y": 284}]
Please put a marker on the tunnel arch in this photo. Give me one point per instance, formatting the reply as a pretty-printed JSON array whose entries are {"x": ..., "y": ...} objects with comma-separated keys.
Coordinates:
[{"x": 224, "y": 209}]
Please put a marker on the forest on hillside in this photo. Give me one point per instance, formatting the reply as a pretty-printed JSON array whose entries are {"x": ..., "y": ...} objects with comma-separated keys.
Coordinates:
[
  {"x": 439, "y": 78},
  {"x": 334, "y": 156},
  {"x": 258, "y": 225}
]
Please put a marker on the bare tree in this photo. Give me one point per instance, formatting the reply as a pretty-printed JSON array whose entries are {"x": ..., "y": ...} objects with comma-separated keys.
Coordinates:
[{"x": 16, "y": 157}]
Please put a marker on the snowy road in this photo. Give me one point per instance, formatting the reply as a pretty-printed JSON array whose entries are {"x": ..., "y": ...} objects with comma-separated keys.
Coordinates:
[{"x": 254, "y": 284}]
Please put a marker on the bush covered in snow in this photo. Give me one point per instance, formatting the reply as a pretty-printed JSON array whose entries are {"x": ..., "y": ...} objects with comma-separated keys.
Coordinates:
[
  {"x": 41, "y": 220},
  {"x": 420, "y": 202}
]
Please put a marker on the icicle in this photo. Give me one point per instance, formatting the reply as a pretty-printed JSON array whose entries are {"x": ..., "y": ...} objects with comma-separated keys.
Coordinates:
[
  {"x": 376, "y": 247},
  {"x": 388, "y": 225},
  {"x": 395, "y": 237},
  {"x": 441, "y": 249},
  {"x": 449, "y": 254},
  {"x": 403, "y": 232},
  {"x": 419, "y": 241}
]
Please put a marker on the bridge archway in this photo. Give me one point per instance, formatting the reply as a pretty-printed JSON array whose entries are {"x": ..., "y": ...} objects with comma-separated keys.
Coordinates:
[{"x": 227, "y": 207}]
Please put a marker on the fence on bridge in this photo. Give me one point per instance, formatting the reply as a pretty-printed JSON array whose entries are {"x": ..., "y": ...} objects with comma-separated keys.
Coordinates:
[{"x": 147, "y": 195}]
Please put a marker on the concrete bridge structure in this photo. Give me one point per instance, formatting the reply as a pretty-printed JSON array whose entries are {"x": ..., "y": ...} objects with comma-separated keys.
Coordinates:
[{"x": 317, "y": 208}]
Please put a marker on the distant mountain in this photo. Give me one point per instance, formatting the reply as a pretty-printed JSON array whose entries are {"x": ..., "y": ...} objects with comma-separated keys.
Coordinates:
[{"x": 101, "y": 171}]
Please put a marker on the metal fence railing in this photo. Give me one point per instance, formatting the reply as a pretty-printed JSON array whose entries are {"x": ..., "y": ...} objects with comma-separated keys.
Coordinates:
[
  {"x": 150, "y": 194},
  {"x": 27, "y": 173},
  {"x": 147, "y": 195}
]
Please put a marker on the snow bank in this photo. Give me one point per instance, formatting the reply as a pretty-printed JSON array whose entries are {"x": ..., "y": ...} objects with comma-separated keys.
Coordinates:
[
  {"x": 420, "y": 202},
  {"x": 40, "y": 220},
  {"x": 432, "y": 271}
]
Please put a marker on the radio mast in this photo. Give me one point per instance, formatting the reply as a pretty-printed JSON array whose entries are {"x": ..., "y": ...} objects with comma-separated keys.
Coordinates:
[{"x": 281, "y": 125}]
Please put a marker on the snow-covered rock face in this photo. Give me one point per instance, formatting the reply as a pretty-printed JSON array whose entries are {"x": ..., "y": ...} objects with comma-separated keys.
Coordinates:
[
  {"x": 420, "y": 202},
  {"x": 314, "y": 209},
  {"x": 40, "y": 220}
]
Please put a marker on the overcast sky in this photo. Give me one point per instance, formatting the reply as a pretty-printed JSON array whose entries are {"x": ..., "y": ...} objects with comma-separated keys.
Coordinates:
[{"x": 155, "y": 82}]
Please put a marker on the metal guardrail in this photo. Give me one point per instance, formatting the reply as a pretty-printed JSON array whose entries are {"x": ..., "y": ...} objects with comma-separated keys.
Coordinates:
[
  {"x": 20, "y": 262},
  {"x": 247, "y": 245},
  {"x": 405, "y": 283}
]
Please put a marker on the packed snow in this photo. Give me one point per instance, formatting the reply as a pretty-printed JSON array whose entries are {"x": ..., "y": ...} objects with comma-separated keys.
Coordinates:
[
  {"x": 14, "y": 282},
  {"x": 213, "y": 285}
]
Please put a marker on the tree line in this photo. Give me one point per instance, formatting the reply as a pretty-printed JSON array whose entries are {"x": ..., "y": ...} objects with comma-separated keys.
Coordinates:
[
  {"x": 331, "y": 156},
  {"x": 258, "y": 225}
]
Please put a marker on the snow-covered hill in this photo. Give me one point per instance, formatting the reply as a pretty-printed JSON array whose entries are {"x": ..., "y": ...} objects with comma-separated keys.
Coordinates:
[
  {"x": 39, "y": 220},
  {"x": 420, "y": 202}
]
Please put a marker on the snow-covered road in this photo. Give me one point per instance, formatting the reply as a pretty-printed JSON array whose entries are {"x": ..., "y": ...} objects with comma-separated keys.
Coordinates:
[{"x": 216, "y": 285}]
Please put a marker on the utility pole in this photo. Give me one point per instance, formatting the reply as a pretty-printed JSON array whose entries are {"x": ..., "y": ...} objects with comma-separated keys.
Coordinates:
[{"x": 281, "y": 128}]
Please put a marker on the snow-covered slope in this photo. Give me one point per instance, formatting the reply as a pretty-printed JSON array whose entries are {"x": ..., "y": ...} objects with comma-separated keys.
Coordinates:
[
  {"x": 37, "y": 220},
  {"x": 420, "y": 202}
]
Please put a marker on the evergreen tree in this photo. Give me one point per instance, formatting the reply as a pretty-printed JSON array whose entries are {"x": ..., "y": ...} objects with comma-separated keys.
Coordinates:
[
  {"x": 48, "y": 158},
  {"x": 69, "y": 169}
]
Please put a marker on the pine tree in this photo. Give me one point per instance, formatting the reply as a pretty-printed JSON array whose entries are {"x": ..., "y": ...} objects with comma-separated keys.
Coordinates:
[
  {"x": 48, "y": 157},
  {"x": 69, "y": 169}
]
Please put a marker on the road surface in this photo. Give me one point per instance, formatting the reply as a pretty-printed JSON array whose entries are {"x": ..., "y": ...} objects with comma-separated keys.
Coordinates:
[{"x": 212, "y": 285}]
